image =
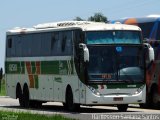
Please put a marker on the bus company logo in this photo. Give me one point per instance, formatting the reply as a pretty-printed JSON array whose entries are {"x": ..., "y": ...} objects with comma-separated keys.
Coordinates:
[{"x": 13, "y": 67}]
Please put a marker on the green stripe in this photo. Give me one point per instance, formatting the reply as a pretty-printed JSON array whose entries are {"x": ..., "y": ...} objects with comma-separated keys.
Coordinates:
[
  {"x": 33, "y": 67},
  {"x": 36, "y": 81},
  {"x": 123, "y": 86},
  {"x": 56, "y": 67},
  {"x": 47, "y": 67}
]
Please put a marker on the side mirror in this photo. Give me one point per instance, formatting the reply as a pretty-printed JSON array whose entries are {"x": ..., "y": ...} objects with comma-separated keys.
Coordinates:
[
  {"x": 1, "y": 73},
  {"x": 85, "y": 52},
  {"x": 150, "y": 51}
]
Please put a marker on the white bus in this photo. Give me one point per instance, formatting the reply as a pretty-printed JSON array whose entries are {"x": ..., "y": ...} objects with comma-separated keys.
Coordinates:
[{"x": 76, "y": 63}]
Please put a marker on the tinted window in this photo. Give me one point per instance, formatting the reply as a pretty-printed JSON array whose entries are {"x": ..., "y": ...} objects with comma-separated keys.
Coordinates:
[
  {"x": 146, "y": 29},
  {"x": 113, "y": 37},
  {"x": 55, "y": 43},
  {"x": 45, "y": 44},
  {"x": 40, "y": 44},
  {"x": 158, "y": 32},
  {"x": 67, "y": 43}
]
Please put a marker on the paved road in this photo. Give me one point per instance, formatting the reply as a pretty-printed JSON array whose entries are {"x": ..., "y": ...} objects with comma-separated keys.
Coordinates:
[{"x": 85, "y": 113}]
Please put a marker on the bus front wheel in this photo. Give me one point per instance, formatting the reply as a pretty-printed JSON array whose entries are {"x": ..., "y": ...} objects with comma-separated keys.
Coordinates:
[
  {"x": 70, "y": 105},
  {"x": 122, "y": 108}
]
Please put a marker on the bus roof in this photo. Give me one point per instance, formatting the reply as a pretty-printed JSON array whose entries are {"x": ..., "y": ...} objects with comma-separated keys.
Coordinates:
[
  {"x": 70, "y": 25},
  {"x": 150, "y": 18}
]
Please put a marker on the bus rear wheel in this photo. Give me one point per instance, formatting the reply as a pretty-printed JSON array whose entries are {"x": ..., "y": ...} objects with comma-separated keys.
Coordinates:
[
  {"x": 35, "y": 104},
  {"x": 70, "y": 105},
  {"x": 122, "y": 108}
]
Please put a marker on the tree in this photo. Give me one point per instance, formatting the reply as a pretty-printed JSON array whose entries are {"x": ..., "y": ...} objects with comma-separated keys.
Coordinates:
[
  {"x": 98, "y": 17},
  {"x": 78, "y": 19}
]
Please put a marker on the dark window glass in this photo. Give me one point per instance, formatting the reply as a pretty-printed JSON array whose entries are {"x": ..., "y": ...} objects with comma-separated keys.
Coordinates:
[
  {"x": 55, "y": 43},
  {"x": 26, "y": 40},
  {"x": 46, "y": 44},
  {"x": 10, "y": 43},
  {"x": 158, "y": 32},
  {"x": 116, "y": 64},
  {"x": 64, "y": 43},
  {"x": 18, "y": 48},
  {"x": 146, "y": 28},
  {"x": 113, "y": 37},
  {"x": 13, "y": 48},
  {"x": 40, "y": 44},
  {"x": 67, "y": 43}
]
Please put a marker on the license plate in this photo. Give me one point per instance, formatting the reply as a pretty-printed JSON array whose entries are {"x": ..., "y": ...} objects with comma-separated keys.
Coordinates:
[{"x": 118, "y": 99}]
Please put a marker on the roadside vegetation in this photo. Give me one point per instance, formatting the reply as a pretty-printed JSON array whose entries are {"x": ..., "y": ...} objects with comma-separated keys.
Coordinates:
[
  {"x": 4, "y": 115},
  {"x": 2, "y": 88}
]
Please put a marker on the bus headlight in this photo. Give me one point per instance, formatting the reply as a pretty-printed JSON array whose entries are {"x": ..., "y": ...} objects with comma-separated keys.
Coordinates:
[
  {"x": 96, "y": 92},
  {"x": 139, "y": 89}
]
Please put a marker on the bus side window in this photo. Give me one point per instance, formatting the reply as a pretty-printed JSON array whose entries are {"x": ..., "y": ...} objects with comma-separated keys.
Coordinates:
[
  {"x": 55, "y": 43},
  {"x": 63, "y": 45},
  {"x": 10, "y": 43},
  {"x": 69, "y": 46},
  {"x": 11, "y": 46},
  {"x": 66, "y": 43},
  {"x": 53, "y": 40},
  {"x": 45, "y": 43}
]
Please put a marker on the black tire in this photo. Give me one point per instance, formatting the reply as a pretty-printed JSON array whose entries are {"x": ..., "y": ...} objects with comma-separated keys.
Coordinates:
[
  {"x": 26, "y": 96},
  {"x": 122, "y": 108},
  {"x": 35, "y": 104},
  {"x": 148, "y": 102},
  {"x": 154, "y": 99},
  {"x": 144, "y": 105},
  {"x": 65, "y": 106},
  {"x": 70, "y": 105},
  {"x": 19, "y": 95}
]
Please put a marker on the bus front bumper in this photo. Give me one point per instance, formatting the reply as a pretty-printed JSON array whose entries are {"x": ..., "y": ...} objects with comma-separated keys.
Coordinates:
[{"x": 114, "y": 99}]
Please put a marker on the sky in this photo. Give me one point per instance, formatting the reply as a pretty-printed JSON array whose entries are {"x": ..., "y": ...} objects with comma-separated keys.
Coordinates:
[{"x": 27, "y": 13}]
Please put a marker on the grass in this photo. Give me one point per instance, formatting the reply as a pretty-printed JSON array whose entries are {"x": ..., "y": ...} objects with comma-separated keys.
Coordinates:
[
  {"x": 5, "y": 115},
  {"x": 2, "y": 88}
]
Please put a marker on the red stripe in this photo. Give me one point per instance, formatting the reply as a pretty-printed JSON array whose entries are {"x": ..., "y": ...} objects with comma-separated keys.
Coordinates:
[
  {"x": 30, "y": 76},
  {"x": 37, "y": 67},
  {"x": 28, "y": 66}
]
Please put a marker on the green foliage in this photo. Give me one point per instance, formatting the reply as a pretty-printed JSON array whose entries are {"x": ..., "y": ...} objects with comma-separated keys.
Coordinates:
[
  {"x": 2, "y": 88},
  {"x": 27, "y": 116},
  {"x": 98, "y": 17},
  {"x": 78, "y": 19}
]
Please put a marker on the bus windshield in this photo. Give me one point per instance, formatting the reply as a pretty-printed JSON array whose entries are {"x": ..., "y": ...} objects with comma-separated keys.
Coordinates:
[
  {"x": 116, "y": 64},
  {"x": 113, "y": 37}
]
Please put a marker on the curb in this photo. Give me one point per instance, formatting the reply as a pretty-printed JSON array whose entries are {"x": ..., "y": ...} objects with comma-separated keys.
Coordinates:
[{"x": 4, "y": 96}]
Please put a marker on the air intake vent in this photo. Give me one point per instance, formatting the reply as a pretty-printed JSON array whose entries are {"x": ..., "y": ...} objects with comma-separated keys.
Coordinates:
[{"x": 61, "y": 24}]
